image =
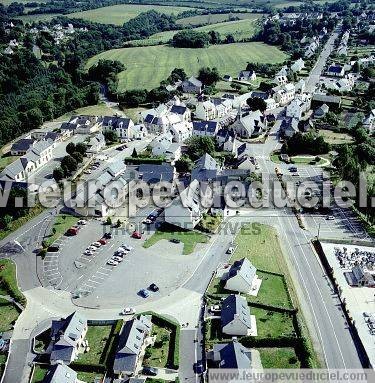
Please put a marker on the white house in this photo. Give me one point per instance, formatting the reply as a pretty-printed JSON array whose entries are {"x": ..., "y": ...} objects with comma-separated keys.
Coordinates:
[
  {"x": 83, "y": 124},
  {"x": 241, "y": 276},
  {"x": 369, "y": 121},
  {"x": 120, "y": 125},
  {"x": 298, "y": 65},
  {"x": 247, "y": 75},
  {"x": 60, "y": 373},
  {"x": 284, "y": 93},
  {"x": 298, "y": 106},
  {"x": 235, "y": 316},
  {"x": 205, "y": 110},
  {"x": 96, "y": 144},
  {"x": 249, "y": 124},
  {"x": 181, "y": 131},
  {"x": 205, "y": 128},
  {"x": 192, "y": 85},
  {"x": 271, "y": 104},
  {"x": 186, "y": 210}
]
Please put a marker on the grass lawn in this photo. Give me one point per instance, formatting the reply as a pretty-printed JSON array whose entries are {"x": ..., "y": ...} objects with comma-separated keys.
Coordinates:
[
  {"x": 38, "y": 17},
  {"x": 120, "y": 14},
  {"x": 39, "y": 373},
  {"x": 148, "y": 66},
  {"x": 89, "y": 377},
  {"x": 8, "y": 281},
  {"x": 210, "y": 223},
  {"x": 97, "y": 337},
  {"x": 272, "y": 324},
  {"x": 216, "y": 18},
  {"x": 157, "y": 355},
  {"x": 61, "y": 225},
  {"x": 307, "y": 160},
  {"x": 3, "y": 359},
  {"x": 6, "y": 160},
  {"x": 189, "y": 238},
  {"x": 8, "y": 315},
  {"x": 336, "y": 138},
  {"x": 279, "y": 358},
  {"x": 93, "y": 110}
]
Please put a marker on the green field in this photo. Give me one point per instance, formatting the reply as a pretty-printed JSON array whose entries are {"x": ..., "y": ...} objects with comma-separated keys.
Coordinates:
[
  {"x": 240, "y": 29},
  {"x": 148, "y": 66},
  {"x": 216, "y": 18},
  {"x": 120, "y": 14},
  {"x": 279, "y": 358}
]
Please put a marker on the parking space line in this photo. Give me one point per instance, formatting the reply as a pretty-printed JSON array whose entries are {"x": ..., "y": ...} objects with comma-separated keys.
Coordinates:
[
  {"x": 97, "y": 276},
  {"x": 54, "y": 273},
  {"x": 90, "y": 280}
]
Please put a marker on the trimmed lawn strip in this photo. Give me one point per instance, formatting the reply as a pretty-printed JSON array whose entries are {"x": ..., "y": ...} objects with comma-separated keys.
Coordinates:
[
  {"x": 40, "y": 372},
  {"x": 89, "y": 377},
  {"x": 7, "y": 159},
  {"x": 8, "y": 281},
  {"x": 189, "y": 238},
  {"x": 279, "y": 357},
  {"x": 157, "y": 354},
  {"x": 8, "y": 315},
  {"x": 61, "y": 225}
]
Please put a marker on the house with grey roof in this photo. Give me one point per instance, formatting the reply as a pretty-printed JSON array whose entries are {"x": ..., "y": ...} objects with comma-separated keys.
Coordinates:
[
  {"x": 205, "y": 128},
  {"x": 247, "y": 75},
  {"x": 234, "y": 356},
  {"x": 83, "y": 124},
  {"x": 321, "y": 111},
  {"x": 358, "y": 277},
  {"x": 60, "y": 373},
  {"x": 122, "y": 126},
  {"x": 249, "y": 124},
  {"x": 67, "y": 335},
  {"x": 241, "y": 276},
  {"x": 205, "y": 168},
  {"x": 289, "y": 126},
  {"x": 235, "y": 315},
  {"x": 152, "y": 174},
  {"x": 20, "y": 147},
  {"x": 192, "y": 85},
  {"x": 96, "y": 144},
  {"x": 130, "y": 346}
]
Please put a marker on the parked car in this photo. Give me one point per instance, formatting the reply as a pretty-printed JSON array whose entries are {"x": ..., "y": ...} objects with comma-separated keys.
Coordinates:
[
  {"x": 103, "y": 241},
  {"x": 96, "y": 244},
  {"x": 175, "y": 240},
  {"x": 107, "y": 236},
  {"x": 150, "y": 371},
  {"x": 117, "y": 258},
  {"x": 72, "y": 231},
  {"x": 136, "y": 235},
  {"x": 111, "y": 262},
  {"x": 87, "y": 172},
  {"x": 215, "y": 308},
  {"x": 128, "y": 311},
  {"x": 292, "y": 169},
  {"x": 330, "y": 217},
  {"x": 82, "y": 222},
  {"x": 198, "y": 368},
  {"x": 127, "y": 247},
  {"x": 147, "y": 221},
  {"x": 144, "y": 293},
  {"x": 230, "y": 250},
  {"x": 153, "y": 287},
  {"x": 88, "y": 252},
  {"x": 92, "y": 248},
  {"x": 53, "y": 248}
]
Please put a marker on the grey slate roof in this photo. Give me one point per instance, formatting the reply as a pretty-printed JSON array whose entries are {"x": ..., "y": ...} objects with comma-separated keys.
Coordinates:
[
  {"x": 130, "y": 343},
  {"x": 205, "y": 126},
  {"x": 326, "y": 99},
  {"x": 178, "y": 109},
  {"x": 244, "y": 268},
  {"x": 115, "y": 122},
  {"x": 235, "y": 306},
  {"x": 23, "y": 144},
  {"x": 60, "y": 373},
  {"x": 205, "y": 168},
  {"x": 233, "y": 355},
  {"x": 155, "y": 173}
]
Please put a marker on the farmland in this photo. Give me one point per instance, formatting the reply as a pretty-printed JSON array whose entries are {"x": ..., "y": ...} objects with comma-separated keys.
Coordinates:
[
  {"x": 240, "y": 29},
  {"x": 147, "y": 66},
  {"x": 120, "y": 14},
  {"x": 216, "y": 18}
]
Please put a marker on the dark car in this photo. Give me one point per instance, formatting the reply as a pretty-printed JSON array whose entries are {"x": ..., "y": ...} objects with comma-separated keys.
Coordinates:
[
  {"x": 293, "y": 169},
  {"x": 153, "y": 287},
  {"x": 175, "y": 240},
  {"x": 107, "y": 236},
  {"x": 150, "y": 371},
  {"x": 53, "y": 249},
  {"x": 144, "y": 293},
  {"x": 198, "y": 368}
]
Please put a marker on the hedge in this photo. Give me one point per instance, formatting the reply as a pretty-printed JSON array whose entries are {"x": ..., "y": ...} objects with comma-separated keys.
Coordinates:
[{"x": 144, "y": 160}]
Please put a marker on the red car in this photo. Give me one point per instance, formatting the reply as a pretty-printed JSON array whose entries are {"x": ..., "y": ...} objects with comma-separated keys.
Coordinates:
[
  {"x": 73, "y": 231},
  {"x": 136, "y": 235},
  {"x": 103, "y": 241}
]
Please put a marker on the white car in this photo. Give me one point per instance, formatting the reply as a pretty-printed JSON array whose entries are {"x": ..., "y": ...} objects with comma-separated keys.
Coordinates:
[
  {"x": 87, "y": 172},
  {"x": 92, "y": 248},
  {"x": 88, "y": 252},
  {"x": 230, "y": 250},
  {"x": 127, "y": 247},
  {"x": 96, "y": 244},
  {"x": 112, "y": 262},
  {"x": 122, "y": 250},
  {"x": 128, "y": 311},
  {"x": 82, "y": 222},
  {"x": 117, "y": 259},
  {"x": 330, "y": 217}
]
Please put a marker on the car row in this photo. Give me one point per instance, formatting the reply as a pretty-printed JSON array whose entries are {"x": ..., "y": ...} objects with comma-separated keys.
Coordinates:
[
  {"x": 97, "y": 244},
  {"x": 145, "y": 293},
  {"x": 119, "y": 255}
]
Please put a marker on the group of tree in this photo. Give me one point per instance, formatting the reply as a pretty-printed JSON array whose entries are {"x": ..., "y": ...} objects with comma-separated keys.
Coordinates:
[
  {"x": 256, "y": 103},
  {"x": 190, "y": 39},
  {"x": 69, "y": 163},
  {"x": 308, "y": 143},
  {"x": 197, "y": 146}
]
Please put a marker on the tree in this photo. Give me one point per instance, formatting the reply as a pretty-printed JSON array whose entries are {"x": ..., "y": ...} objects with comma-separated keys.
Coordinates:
[
  {"x": 78, "y": 157},
  {"x": 177, "y": 74},
  {"x": 183, "y": 165},
  {"x": 69, "y": 165},
  {"x": 256, "y": 103},
  {"x": 229, "y": 39},
  {"x": 110, "y": 136},
  {"x": 134, "y": 154},
  {"x": 58, "y": 174},
  {"x": 209, "y": 76},
  {"x": 70, "y": 148},
  {"x": 190, "y": 39},
  {"x": 81, "y": 148},
  {"x": 105, "y": 70},
  {"x": 6, "y": 221},
  {"x": 197, "y": 146}
]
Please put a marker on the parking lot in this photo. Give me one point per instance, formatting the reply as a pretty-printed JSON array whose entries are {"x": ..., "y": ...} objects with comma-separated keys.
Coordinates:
[{"x": 94, "y": 283}]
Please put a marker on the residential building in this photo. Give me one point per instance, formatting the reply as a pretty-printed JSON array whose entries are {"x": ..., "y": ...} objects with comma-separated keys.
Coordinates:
[
  {"x": 241, "y": 276},
  {"x": 289, "y": 126},
  {"x": 234, "y": 356},
  {"x": 205, "y": 110},
  {"x": 186, "y": 210},
  {"x": 60, "y": 373},
  {"x": 67, "y": 336},
  {"x": 83, "y": 124},
  {"x": 171, "y": 151},
  {"x": 271, "y": 104},
  {"x": 181, "y": 131},
  {"x": 319, "y": 99},
  {"x": 120, "y": 125},
  {"x": 369, "y": 121},
  {"x": 131, "y": 345},
  {"x": 182, "y": 111},
  {"x": 321, "y": 111},
  {"x": 247, "y": 75},
  {"x": 283, "y": 94},
  {"x": 297, "y": 66},
  {"x": 96, "y": 144},
  {"x": 23, "y": 145},
  {"x": 35, "y": 158},
  {"x": 235, "y": 315},
  {"x": 345, "y": 84},
  {"x": 281, "y": 79},
  {"x": 205, "y": 128},
  {"x": 360, "y": 278},
  {"x": 222, "y": 107},
  {"x": 152, "y": 174},
  {"x": 237, "y": 101},
  {"x": 249, "y": 124},
  {"x": 298, "y": 106},
  {"x": 192, "y": 85},
  {"x": 300, "y": 86},
  {"x": 335, "y": 70},
  {"x": 228, "y": 78},
  {"x": 205, "y": 168}
]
